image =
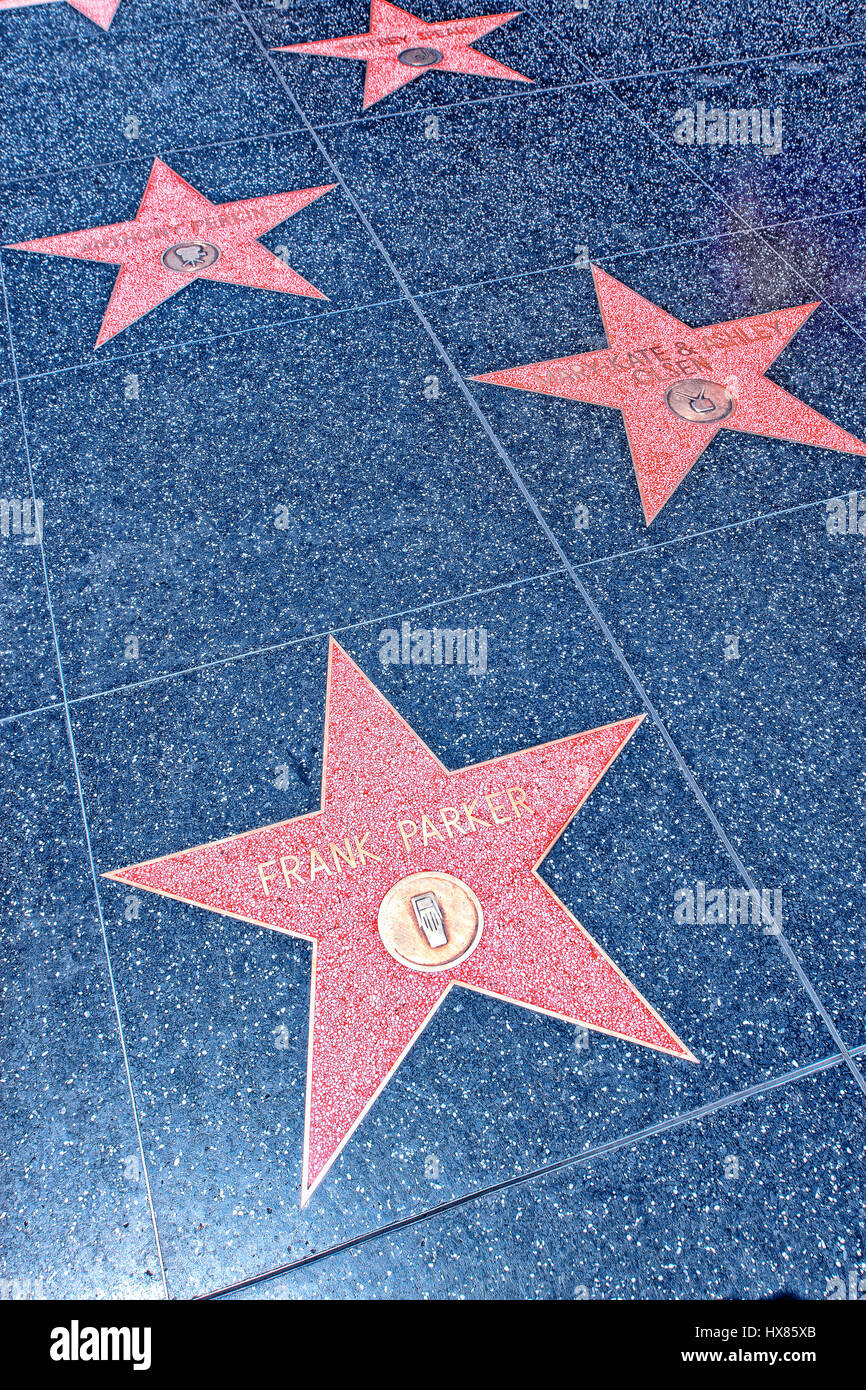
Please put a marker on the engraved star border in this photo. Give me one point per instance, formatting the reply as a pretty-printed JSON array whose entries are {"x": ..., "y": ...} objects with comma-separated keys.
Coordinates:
[
  {"x": 393, "y": 30},
  {"x": 649, "y": 350},
  {"x": 172, "y": 212},
  {"x": 367, "y": 1009}
]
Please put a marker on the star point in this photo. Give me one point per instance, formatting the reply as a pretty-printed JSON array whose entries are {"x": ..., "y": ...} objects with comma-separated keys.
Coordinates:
[
  {"x": 177, "y": 236},
  {"x": 399, "y": 47},
  {"x": 677, "y": 386},
  {"x": 390, "y": 813},
  {"x": 100, "y": 11}
]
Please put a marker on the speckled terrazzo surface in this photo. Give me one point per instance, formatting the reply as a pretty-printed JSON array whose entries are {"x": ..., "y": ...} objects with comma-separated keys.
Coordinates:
[{"x": 248, "y": 300}]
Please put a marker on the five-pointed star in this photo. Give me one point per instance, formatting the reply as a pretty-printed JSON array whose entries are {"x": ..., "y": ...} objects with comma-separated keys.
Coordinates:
[
  {"x": 179, "y": 236},
  {"x": 400, "y": 47},
  {"x": 649, "y": 350},
  {"x": 100, "y": 11},
  {"x": 383, "y": 817}
]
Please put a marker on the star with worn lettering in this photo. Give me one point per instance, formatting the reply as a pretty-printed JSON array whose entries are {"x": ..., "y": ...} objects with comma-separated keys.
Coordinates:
[
  {"x": 100, "y": 11},
  {"x": 409, "y": 880},
  {"x": 677, "y": 386},
  {"x": 400, "y": 47},
  {"x": 179, "y": 236}
]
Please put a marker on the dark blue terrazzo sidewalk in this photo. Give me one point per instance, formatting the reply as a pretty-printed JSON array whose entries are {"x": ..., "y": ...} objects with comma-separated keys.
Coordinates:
[{"x": 240, "y": 472}]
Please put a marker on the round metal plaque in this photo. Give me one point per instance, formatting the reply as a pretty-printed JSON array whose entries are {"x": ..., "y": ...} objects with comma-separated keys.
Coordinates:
[
  {"x": 430, "y": 921},
  {"x": 189, "y": 256},
  {"x": 701, "y": 402},
  {"x": 419, "y": 57}
]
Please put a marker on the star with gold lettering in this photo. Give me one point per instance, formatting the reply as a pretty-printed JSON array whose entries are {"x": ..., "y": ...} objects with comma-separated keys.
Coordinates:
[
  {"x": 411, "y": 879},
  {"x": 400, "y": 47},
  {"x": 178, "y": 236},
  {"x": 677, "y": 386},
  {"x": 100, "y": 11}
]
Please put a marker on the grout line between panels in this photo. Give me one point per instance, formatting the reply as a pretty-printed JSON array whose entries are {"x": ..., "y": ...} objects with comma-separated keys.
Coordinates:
[
  {"x": 632, "y": 1139},
  {"x": 253, "y": 652},
  {"x": 86, "y": 826}
]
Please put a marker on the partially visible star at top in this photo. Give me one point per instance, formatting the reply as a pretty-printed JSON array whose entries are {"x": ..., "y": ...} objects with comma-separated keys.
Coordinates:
[
  {"x": 400, "y": 46},
  {"x": 177, "y": 236},
  {"x": 100, "y": 11}
]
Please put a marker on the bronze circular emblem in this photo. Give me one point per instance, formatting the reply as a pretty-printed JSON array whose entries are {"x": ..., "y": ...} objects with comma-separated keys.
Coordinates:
[
  {"x": 419, "y": 57},
  {"x": 189, "y": 256},
  {"x": 430, "y": 921},
  {"x": 701, "y": 402}
]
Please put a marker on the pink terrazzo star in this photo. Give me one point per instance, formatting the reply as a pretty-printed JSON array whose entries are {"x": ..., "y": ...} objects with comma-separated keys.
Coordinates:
[
  {"x": 721, "y": 369},
  {"x": 400, "y": 47},
  {"x": 323, "y": 876},
  {"x": 100, "y": 11},
  {"x": 179, "y": 236}
]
